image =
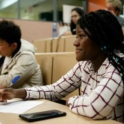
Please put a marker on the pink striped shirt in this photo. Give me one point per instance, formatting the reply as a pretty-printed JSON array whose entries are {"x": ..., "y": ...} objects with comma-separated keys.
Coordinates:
[{"x": 101, "y": 92}]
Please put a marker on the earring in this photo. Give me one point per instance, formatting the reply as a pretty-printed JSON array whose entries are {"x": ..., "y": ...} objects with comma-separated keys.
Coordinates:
[
  {"x": 103, "y": 48},
  {"x": 116, "y": 59}
]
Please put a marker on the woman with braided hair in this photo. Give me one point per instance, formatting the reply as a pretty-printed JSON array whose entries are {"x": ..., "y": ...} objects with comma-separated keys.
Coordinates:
[{"x": 99, "y": 72}]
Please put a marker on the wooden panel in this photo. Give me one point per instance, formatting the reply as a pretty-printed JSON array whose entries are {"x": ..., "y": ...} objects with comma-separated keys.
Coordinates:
[
  {"x": 69, "y": 47},
  {"x": 32, "y": 30},
  {"x": 53, "y": 69},
  {"x": 61, "y": 65},
  {"x": 58, "y": 45},
  {"x": 40, "y": 45},
  {"x": 48, "y": 46},
  {"x": 43, "y": 45},
  {"x": 63, "y": 44},
  {"x": 45, "y": 63},
  {"x": 62, "y": 54}
]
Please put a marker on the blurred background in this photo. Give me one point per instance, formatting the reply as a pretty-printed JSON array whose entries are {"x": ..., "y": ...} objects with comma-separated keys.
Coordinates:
[
  {"x": 41, "y": 10},
  {"x": 42, "y": 16}
]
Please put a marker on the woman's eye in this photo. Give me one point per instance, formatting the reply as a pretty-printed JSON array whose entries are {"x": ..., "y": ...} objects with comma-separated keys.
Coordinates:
[{"x": 81, "y": 35}]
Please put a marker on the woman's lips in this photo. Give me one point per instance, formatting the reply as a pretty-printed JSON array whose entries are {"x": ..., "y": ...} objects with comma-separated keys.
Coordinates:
[{"x": 78, "y": 50}]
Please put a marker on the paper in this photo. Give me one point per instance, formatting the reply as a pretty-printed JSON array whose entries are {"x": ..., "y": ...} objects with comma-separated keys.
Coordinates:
[{"x": 19, "y": 106}]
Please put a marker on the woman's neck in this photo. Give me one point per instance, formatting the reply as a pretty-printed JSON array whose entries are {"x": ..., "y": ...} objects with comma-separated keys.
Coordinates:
[{"x": 97, "y": 61}]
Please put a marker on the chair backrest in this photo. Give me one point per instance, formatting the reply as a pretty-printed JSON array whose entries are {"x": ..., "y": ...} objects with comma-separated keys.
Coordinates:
[
  {"x": 61, "y": 65},
  {"x": 40, "y": 45},
  {"x": 48, "y": 45},
  {"x": 54, "y": 65},
  {"x": 58, "y": 44},
  {"x": 69, "y": 47},
  {"x": 43, "y": 45},
  {"x": 45, "y": 63}
]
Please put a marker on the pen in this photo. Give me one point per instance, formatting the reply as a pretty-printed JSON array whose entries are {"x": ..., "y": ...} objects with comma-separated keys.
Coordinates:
[{"x": 15, "y": 79}]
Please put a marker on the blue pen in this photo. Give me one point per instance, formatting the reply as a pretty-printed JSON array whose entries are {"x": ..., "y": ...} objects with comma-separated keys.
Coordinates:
[{"x": 15, "y": 79}]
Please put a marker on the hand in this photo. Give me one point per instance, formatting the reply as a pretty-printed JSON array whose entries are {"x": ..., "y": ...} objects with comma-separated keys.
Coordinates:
[
  {"x": 7, "y": 93},
  {"x": 67, "y": 102}
]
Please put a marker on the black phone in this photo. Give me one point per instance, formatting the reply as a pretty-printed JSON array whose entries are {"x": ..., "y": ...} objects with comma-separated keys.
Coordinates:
[{"x": 42, "y": 115}]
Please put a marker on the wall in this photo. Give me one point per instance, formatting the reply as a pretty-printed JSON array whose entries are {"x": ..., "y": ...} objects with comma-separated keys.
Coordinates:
[
  {"x": 94, "y": 5},
  {"x": 32, "y": 30}
]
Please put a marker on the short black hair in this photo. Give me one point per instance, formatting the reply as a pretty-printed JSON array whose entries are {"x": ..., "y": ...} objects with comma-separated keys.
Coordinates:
[
  {"x": 106, "y": 32},
  {"x": 10, "y": 32},
  {"x": 72, "y": 25}
]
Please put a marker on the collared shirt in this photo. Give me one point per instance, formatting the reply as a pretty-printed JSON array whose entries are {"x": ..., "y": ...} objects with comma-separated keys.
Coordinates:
[{"x": 101, "y": 91}]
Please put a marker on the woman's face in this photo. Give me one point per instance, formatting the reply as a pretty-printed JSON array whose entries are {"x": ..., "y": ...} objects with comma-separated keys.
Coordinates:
[
  {"x": 75, "y": 16},
  {"x": 85, "y": 48}
]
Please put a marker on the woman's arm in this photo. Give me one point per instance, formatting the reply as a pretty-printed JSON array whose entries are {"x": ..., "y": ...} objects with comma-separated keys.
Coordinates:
[
  {"x": 9, "y": 93},
  {"x": 68, "y": 83}
]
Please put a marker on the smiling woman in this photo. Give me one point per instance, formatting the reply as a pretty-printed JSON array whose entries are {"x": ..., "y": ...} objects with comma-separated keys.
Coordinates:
[
  {"x": 100, "y": 72},
  {"x": 86, "y": 49}
]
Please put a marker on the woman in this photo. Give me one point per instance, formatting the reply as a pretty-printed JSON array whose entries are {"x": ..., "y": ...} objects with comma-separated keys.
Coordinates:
[
  {"x": 99, "y": 72},
  {"x": 76, "y": 13}
]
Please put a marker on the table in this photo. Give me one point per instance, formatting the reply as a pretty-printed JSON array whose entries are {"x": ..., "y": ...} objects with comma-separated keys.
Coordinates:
[{"x": 70, "y": 118}]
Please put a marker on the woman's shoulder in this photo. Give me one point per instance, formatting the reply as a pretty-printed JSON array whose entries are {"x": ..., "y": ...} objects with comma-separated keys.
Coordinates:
[{"x": 83, "y": 64}]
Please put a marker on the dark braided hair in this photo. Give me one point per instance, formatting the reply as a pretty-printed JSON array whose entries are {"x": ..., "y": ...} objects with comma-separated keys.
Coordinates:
[{"x": 106, "y": 31}]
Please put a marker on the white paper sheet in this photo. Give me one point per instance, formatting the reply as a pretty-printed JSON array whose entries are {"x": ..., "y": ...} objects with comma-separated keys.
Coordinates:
[{"x": 18, "y": 106}]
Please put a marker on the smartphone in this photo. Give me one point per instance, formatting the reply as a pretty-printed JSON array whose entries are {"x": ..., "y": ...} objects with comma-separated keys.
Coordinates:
[{"x": 30, "y": 117}]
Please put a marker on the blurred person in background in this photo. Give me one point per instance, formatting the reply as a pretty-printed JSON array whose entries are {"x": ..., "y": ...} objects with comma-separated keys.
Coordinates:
[
  {"x": 63, "y": 29},
  {"x": 76, "y": 13},
  {"x": 115, "y": 7},
  {"x": 18, "y": 65}
]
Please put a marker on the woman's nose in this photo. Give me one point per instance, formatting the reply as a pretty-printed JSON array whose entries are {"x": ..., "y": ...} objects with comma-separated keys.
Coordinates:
[{"x": 76, "y": 42}]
